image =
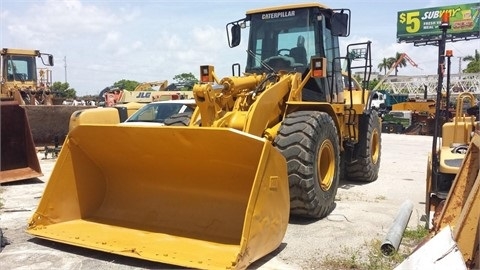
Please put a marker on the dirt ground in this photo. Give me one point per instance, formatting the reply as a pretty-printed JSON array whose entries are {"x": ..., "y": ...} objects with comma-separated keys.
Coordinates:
[{"x": 363, "y": 212}]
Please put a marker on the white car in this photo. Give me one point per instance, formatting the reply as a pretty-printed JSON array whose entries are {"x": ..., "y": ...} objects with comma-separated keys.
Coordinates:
[{"x": 155, "y": 113}]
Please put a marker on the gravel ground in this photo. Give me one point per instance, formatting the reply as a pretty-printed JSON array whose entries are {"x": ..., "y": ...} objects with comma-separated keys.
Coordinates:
[{"x": 363, "y": 212}]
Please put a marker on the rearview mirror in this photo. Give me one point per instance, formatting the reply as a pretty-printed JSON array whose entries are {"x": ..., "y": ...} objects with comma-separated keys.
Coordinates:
[
  {"x": 236, "y": 35},
  {"x": 47, "y": 59},
  {"x": 50, "y": 60},
  {"x": 340, "y": 23}
]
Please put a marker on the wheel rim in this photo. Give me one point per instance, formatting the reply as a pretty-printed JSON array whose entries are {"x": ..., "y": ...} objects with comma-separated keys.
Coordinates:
[
  {"x": 326, "y": 165},
  {"x": 375, "y": 146}
]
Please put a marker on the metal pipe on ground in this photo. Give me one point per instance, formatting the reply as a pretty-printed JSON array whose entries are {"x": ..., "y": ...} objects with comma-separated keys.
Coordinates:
[{"x": 395, "y": 233}]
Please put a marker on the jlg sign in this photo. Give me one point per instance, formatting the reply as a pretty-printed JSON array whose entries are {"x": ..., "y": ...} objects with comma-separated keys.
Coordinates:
[{"x": 143, "y": 95}]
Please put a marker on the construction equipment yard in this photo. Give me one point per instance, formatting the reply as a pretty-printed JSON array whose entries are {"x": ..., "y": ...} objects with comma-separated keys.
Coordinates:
[
  {"x": 363, "y": 212},
  {"x": 282, "y": 166}
]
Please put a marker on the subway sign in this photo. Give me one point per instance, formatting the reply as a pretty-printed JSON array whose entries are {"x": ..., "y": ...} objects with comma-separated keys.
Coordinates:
[{"x": 420, "y": 25}]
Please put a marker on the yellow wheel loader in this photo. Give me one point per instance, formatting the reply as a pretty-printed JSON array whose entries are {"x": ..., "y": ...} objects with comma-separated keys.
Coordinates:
[
  {"x": 20, "y": 80},
  {"x": 215, "y": 188},
  {"x": 19, "y": 86},
  {"x": 26, "y": 79}
]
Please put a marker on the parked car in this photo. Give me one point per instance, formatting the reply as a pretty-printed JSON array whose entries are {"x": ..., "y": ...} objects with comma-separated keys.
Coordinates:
[{"x": 156, "y": 112}]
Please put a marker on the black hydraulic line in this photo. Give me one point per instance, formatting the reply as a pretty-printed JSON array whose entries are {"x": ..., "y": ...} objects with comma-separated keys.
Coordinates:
[
  {"x": 447, "y": 97},
  {"x": 441, "y": 64}
]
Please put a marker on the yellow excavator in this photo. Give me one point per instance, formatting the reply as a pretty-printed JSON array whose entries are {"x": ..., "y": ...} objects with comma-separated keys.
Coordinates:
[{"x": 215, "y": 189}]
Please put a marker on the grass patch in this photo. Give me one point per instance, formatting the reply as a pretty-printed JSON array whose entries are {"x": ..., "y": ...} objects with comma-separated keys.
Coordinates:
[
  {"x": 415, "y": 234},
  {"x": 369, "y": 255},
  {"x": 349, "y": 259}
]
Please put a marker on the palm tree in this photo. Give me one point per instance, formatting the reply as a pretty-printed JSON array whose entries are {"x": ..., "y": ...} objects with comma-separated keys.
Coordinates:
[
  {"x": 384, "y": 65},
  {"x": 474, "y": 63}
]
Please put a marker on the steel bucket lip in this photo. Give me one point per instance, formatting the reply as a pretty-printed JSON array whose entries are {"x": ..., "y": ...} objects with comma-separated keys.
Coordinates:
[{"x": 169, "y": 249}]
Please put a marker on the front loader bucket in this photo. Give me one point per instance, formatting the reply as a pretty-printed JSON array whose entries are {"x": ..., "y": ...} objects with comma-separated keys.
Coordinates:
[
  {"x": 193, "y": 197},
  {"x": 18, "y": 155}
]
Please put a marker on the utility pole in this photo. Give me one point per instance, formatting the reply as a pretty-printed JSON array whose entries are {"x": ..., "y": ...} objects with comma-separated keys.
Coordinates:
[
  {"x": 460, "y": 65},
  {"x": 65, "y": 61}
]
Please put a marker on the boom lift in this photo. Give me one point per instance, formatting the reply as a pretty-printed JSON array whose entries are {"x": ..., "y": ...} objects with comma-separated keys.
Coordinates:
[
  {"x": 259, "y": 146},
  {"x": 145, "y": 92},
  {"x": 394, "y": 66}
]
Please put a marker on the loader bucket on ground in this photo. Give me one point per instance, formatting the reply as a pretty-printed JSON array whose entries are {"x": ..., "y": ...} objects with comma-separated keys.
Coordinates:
[
  {"x": 194, "y": 197},
  {"x": 19, "y": 159}
]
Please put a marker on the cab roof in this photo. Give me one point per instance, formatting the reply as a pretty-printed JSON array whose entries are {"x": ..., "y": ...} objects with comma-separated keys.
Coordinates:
[
  {"x": 286, "y": 7},
  {"x": 9, "y": 51}
]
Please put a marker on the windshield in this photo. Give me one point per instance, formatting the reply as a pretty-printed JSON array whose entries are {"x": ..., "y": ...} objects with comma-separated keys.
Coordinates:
[
  {"x": 20, "y": 68},
  {"x": 287, "y": 40},
  {"x": 282, "y": 39},
  {"x": 158, "y": 112}
]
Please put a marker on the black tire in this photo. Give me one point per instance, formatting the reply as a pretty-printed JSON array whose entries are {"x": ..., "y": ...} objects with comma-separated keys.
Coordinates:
[
  {"x": 365, "y": 164},
  {"x": 179, "y": 119},
  {"x": 309, "y": 142}
]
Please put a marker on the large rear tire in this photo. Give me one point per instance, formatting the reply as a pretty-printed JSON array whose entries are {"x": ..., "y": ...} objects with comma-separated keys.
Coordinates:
[
  {"x": 365, "y": 164},
  {"x": 309, "y": 142}
]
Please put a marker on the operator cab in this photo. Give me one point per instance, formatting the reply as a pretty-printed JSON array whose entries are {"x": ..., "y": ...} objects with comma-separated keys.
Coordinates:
[
  {"x": 285, "y": 39},
  {"x": 20, "y": 65}
]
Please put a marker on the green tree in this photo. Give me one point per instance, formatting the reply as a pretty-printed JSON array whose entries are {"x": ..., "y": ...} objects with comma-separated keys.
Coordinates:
[
  {"x": 474, "y": 63},
  {"x": 385, "y": 65},
  {"x": 63, "y": 90},
  {"x": 187, "y": 80},
  {"x": 372, "y": 84},
  {"x": 126, "y": 84}
]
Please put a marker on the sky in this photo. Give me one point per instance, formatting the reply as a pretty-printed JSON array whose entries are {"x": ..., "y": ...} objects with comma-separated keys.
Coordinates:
[{"x": 96, "y": 43}]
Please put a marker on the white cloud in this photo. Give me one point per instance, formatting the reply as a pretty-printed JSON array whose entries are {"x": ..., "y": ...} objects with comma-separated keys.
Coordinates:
[
  {"x": 106, "y": 41},
  {"x": 112, "y": 38},
  {"x": 137, "y": 45},
  {"x": 130, "y": 15}
]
